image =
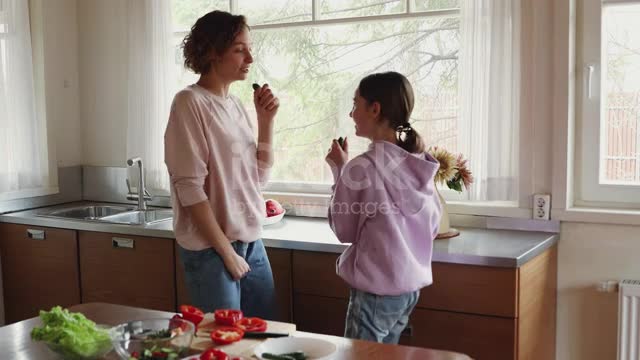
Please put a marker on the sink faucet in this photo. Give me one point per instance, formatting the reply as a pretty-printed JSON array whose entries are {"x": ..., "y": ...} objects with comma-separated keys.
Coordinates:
[{"x": 142, "y": 194}]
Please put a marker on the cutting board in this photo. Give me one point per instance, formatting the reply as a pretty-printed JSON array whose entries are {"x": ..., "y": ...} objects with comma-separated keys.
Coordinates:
[{"x": 202, "y": 340}]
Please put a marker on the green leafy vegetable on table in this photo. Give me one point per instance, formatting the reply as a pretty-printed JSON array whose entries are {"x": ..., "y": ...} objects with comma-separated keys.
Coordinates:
[{"x": 71, "y": 334}]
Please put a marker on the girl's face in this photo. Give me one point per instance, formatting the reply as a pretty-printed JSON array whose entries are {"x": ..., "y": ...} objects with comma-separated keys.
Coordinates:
[
  {"x": 234, "y": 63},
  {"x": 365, "y": 116}
]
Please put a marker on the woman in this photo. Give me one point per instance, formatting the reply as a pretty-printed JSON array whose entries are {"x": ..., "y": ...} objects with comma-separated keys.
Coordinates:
[{"x": 216, "y": 168}]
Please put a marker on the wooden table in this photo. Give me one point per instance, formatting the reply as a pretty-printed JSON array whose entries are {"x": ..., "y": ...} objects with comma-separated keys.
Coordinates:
[{"x": 15, "y": 340}]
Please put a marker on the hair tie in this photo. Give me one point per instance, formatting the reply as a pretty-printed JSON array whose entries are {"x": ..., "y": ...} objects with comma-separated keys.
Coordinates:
[{"x": 406, "y": 127}]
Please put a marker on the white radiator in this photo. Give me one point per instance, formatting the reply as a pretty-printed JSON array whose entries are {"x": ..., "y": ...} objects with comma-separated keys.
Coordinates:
[{"x": 629, "y": 320}]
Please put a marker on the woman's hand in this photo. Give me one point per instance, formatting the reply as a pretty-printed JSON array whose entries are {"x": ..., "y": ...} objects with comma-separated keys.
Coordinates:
[
  {"x": 337, "y": 156},
  {"x": 236, "y": 266},
  {"x": 266, "y": 103}
]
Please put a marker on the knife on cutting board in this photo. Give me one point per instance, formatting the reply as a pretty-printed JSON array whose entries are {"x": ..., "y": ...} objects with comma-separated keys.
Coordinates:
[{"x": 263, "y": 335}]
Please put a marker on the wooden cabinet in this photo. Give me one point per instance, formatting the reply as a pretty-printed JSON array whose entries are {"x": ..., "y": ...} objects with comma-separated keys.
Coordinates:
[
  {"x": 280, "y": 260},
  {"x": 320, "y": 297},
  {"x": 485, "y": 312},
  {"x": 39, "y": 269},
  {"x": 128, "y": 270}
]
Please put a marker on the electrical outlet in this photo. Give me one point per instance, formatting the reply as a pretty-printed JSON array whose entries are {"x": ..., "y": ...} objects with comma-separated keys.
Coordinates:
[{"x": 541, "y": 206}]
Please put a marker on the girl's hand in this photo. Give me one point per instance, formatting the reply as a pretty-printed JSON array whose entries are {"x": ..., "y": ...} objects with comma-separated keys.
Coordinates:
[
  {"x": 337, "y": 156},
  {"x": 266, "y": 103},
  {"x": 236, "y": 266}
]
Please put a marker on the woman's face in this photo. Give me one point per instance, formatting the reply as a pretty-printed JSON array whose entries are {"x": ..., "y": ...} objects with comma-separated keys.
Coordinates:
[
  {"x": 234, "y": 63},
  {"x": 364, "y": 115}
]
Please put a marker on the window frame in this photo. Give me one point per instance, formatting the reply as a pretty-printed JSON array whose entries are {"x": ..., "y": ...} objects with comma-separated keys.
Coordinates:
[
  {"x": 589, "y": 189},
  {"x": 312, "y": 199}
]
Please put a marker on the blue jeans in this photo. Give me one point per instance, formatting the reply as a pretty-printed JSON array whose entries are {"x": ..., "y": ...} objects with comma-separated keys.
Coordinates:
[
  {"x": 378, "y": 318},
  {"x": 211, "y": 286}
]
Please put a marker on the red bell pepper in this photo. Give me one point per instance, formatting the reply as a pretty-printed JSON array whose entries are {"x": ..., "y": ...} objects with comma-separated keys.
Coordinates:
[
  {"x": 214, "y": 354},
  {"x": 192, "y": 313},
  {"x": 226, "y": 335},
  {"x": 252, "y": 324},
  {"x": 227, "y": 317}
]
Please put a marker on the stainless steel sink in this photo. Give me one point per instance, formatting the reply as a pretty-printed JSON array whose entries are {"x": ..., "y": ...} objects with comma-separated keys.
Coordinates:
[
  {"x": 119, "y": 214},
  {"x": 148, "y": 216},
  {"x": 90, "y": 212}
]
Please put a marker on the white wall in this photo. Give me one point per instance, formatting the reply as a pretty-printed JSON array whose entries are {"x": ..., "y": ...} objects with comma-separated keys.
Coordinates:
[
  {"x": 587, "y": 319},
  {"x": 103, "y": 99},
  {"x": 55, "y": 23}
]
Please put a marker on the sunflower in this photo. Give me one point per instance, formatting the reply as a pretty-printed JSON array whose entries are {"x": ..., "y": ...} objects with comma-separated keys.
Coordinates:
[{"x": 447, "y": 162}]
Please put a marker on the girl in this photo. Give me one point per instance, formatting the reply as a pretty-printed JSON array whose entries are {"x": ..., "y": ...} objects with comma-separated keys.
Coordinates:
[
  {"x": 384, "y": 204},
  {"x": 216, "y": 168}
]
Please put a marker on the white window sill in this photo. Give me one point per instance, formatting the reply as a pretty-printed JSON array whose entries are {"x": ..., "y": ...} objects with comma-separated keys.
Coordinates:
[
  {"x": 597, "y": 215},
  {"x": 316, "y": 205}
]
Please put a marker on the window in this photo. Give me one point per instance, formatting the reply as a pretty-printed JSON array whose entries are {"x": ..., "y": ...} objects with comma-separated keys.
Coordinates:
[
  {"x": 24, "y": 162},
  {"x": 314, "y": 53},
  {"x": 609, "y": 103}
]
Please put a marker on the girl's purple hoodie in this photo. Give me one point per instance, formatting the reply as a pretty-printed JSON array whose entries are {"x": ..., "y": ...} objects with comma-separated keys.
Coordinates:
[{"x": 385, "y": 204}]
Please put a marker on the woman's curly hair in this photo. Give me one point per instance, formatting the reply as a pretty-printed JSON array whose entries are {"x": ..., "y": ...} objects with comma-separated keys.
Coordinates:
[{"x": 214, "y": 31}]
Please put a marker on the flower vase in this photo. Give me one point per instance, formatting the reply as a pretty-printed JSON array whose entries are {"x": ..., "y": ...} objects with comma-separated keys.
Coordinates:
[{"x": 445, "y": 230}]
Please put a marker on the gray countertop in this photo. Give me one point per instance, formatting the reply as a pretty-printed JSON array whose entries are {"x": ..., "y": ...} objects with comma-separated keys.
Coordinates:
[{"x": 474, "y": 246}]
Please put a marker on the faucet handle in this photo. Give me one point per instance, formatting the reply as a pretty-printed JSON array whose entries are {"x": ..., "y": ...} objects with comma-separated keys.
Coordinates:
[
  {"x": 128, "y": 185},
  {"x": 147, "y": 195}
]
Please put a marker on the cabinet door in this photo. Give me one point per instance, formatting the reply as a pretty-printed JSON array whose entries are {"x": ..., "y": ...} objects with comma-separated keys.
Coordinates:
[
  {"x": 318, "y": 314},
  {"x": 128, "y": 270},
  {"x": 280, "y": 260},
  {"x": 39, "y": 269},
  {"x": 481, "y": 337},
  {"x": 474, "y": 289},
  {"x": 314, "y": 273}
]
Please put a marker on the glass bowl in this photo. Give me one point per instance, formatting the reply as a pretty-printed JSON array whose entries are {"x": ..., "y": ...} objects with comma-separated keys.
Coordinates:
[
  {"x": 166, "y": 335},
  {"x": 75, "y": 349}
]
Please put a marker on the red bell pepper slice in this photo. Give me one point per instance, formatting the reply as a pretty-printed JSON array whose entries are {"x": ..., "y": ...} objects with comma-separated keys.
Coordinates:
[
  {"x": 226, "y": 335},
  {"x": 252, "y": 324},
  {"x": 214, "y": 354},
  {"x": 192, "y": 313},
  {"x": 227, "y": 317},
  {"x": 177, "y": 322}
]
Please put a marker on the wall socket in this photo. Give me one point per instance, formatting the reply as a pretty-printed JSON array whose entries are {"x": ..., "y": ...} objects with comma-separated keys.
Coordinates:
[{"x": 541, "y": 206}]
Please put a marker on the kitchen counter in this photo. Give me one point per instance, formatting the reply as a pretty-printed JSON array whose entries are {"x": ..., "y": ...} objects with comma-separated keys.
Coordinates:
[{"x": 474, "y": 246}]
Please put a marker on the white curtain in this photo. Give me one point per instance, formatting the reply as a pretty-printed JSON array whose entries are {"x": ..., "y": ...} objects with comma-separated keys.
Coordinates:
[
  {"x": 24, "y": 162},
  {"x": 151, "y": 86},
  {"x": 489, "y": 95}
]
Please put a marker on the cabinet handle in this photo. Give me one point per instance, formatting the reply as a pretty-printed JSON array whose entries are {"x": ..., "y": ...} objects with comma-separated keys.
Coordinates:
[
  {"x": 35, "y": 234},
  {"x": 117, "y": 242}
]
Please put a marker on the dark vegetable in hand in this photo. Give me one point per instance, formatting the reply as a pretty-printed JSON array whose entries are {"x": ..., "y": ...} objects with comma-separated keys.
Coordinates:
[
  {"x": 255, "y": 86},
  {"x": 341, "y": 141}
]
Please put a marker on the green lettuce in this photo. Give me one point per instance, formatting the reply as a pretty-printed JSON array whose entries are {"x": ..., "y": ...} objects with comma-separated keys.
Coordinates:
[{"x": 71, "y": 334}]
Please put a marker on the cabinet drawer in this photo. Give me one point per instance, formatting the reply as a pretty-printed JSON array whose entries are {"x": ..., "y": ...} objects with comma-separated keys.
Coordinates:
[
  {"x": 141, "y": 276},
  {"x": 39, "y": 270},
  {"x": 472, "y": 289},
  {"x": 323, "y": 315},
  {"x": 314, "y": 273},
  {"x": 481, "y": 337}
]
